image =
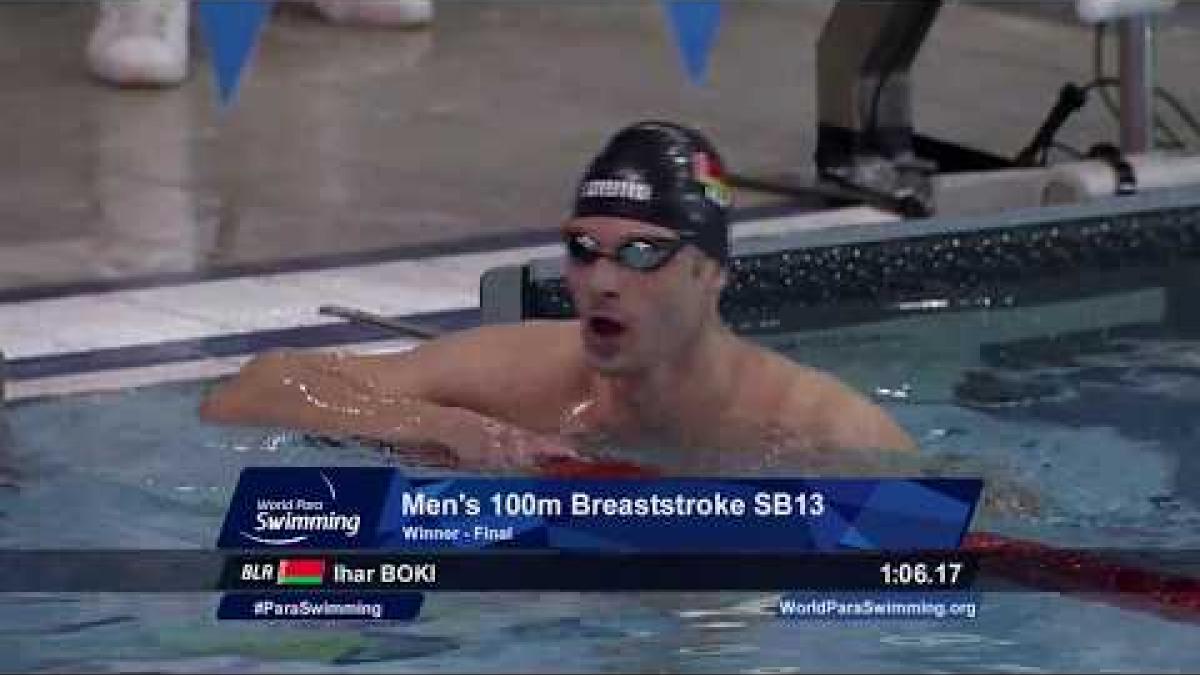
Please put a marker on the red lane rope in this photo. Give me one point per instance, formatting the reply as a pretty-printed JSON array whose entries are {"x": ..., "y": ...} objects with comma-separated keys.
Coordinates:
[
  {"x": 1038, "y": 566},
  {"x": 564, "y": 467},
  {"x": 1087, "y": 574}
]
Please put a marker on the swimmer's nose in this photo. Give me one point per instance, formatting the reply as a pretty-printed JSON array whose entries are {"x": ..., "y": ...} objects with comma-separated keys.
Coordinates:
[{"x": 603, "y": 278}]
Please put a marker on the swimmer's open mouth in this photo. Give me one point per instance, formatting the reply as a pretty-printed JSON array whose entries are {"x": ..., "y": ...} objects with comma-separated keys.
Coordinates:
[{"x": 605, "y": 326}]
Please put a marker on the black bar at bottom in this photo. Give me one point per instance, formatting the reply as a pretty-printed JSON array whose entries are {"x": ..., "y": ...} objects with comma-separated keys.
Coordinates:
[{"x": 605, "y": 572}]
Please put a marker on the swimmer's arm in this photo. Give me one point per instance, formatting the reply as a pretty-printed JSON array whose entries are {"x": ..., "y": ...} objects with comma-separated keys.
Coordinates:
[
  {"x": 275, "y": 389},
  {"x": 335, "y": 395}
]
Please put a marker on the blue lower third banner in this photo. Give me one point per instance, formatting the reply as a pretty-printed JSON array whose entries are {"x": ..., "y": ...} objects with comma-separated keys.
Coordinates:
[
  {"x": 320, "y": 606},
  {"x": 379, "y": 508}
]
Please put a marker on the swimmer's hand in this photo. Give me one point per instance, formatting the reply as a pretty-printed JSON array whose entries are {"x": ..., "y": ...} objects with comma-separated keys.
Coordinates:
[
  {"x": 464, "y": 440},
  {"x": 1007, "y": 498},
  {"x": 1003, "y": 494},
  {"x": 544, "y": 455},
  {"x": 510, "y": 448}
]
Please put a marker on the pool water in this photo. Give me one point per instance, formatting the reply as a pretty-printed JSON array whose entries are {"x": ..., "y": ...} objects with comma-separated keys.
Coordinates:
[{"x": 1100, "y": 423}]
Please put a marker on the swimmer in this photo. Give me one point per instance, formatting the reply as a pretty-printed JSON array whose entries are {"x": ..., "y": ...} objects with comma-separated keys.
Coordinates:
[{"x": 648, "y": 362}]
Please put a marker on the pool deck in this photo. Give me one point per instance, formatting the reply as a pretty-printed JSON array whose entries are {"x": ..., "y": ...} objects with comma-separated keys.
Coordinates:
[{"x": 386, "y": 170}]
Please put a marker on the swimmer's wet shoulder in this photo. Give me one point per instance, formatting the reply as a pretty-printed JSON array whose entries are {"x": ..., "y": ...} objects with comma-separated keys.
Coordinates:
[
  {"x": 838, "y": 417},
  {"x": 802, "y": 409}
]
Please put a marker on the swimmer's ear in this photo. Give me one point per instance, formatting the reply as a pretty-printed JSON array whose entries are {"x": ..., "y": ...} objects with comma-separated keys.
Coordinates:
[
  {"x": 718, "y": 273},
  {"x": 703, "y": 266}
]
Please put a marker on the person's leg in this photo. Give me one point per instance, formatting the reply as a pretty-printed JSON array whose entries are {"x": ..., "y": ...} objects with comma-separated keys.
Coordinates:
[
  {"x": 140, "y": 42},
  {"x": 391, "y": 13}
]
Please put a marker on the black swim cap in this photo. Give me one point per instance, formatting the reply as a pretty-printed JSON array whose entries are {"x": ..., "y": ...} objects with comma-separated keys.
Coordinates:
[{"x": 664, "y": 174}]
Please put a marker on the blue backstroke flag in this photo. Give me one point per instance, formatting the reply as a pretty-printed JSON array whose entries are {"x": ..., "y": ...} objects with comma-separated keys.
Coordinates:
[
  {"x": 232, "y": 28},
  {"x": 695, "y": 24}
]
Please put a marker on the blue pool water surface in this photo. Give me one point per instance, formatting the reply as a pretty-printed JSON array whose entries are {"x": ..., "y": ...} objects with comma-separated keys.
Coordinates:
[{"x": 1101, "y": 424}]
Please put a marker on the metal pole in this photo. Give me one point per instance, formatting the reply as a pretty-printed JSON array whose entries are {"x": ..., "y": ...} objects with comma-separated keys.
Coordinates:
[{"x": 1137, "y": 84}]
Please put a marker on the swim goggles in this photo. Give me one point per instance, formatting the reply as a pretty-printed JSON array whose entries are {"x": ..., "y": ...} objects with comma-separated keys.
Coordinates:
[{"x": 639, "y": 253}]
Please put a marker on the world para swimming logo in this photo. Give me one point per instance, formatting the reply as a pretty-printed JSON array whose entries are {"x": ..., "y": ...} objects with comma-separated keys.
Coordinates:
[{"x": 305, "y": 510}]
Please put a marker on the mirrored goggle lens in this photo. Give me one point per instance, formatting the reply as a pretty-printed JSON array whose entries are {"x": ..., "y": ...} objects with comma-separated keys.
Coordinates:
[
  {"x": 582, "y": 248},
  {"x": 638, "y": 254},
  {"x": 644, "y": 255}
]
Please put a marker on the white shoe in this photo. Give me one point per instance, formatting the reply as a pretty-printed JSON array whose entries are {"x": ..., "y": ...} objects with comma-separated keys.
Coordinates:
[
  {"x": 389, "y": 13},
  {"x": 140, "y": 42}
]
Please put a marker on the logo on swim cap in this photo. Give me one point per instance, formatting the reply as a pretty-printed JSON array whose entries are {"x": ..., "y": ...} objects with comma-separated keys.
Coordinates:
[
  {"x": 663, "y": 174},
  {"x": 708, "y": 173},
  {"x": 616, "y": 189}
]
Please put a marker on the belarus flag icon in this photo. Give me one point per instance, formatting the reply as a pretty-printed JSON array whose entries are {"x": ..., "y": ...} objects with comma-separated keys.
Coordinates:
[{"x": 301, "y": 572}]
